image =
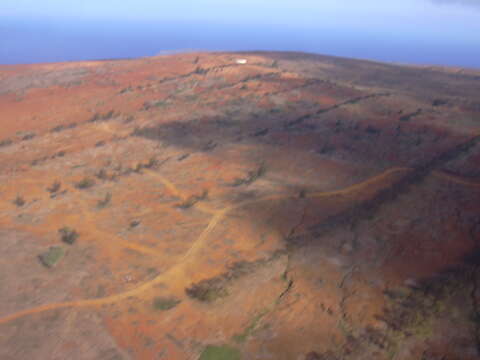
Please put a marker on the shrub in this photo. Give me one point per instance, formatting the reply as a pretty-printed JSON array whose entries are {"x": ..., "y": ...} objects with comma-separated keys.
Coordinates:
[
  {"x": 6, "y": 142},
  {"x": 85, "y": 183},
  {"x": 252, "y": 176},
  {"x": 58, "y": 128},
  {"x": 134, "y": 223},
  {"x": 152, "y": 162},
  {"x": 102, "y": 174},
  {"x": 54, "y": 187},
  {"x": 105, "y": 201},
  {"x": 68, "y": 235},
  {"x": 208, "y": 290},
  {"x": 192, "y": 200},
  {"x": 19, "y": 201},
  {"x": 29, "y": 136},
  {"x": 164, "y": 304}
]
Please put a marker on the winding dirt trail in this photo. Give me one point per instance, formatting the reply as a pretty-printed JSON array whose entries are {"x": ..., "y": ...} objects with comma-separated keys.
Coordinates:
[{"x": 179, "y": 271}]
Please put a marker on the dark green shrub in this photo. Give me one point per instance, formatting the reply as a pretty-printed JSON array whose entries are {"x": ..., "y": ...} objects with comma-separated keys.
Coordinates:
[
  {"x": 68, "y": 235},
  {"x": 85, "y": 183}
]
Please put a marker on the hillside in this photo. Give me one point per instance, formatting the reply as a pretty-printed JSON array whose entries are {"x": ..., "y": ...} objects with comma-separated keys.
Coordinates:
[{"x": 239, "y": 206}]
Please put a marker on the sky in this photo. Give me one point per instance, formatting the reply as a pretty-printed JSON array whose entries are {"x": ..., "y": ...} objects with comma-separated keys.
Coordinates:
[{"x": 207, "y": 24}]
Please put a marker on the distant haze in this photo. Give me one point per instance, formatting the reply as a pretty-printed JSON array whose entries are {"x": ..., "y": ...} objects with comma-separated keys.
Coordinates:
[{"x": 441, "y": 32}]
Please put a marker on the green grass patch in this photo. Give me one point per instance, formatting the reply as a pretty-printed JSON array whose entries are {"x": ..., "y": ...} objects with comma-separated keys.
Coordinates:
[
  {"x": 165, "y": 304},
  {"x": 223, "y": 352},
  {"x": 52, "y": 256}
]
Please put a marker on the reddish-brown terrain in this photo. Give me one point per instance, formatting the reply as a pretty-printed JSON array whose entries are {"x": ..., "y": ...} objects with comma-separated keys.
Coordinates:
[{"x": 295, "y": 207}]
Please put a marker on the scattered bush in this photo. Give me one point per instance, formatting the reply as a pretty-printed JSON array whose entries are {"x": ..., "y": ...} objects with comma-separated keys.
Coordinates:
[
  {"x": 183, "y": 157},
  {"x": 52, "y": 256},
  {"x": 85, "y": 183},
  {"x": 439, "y": 102},
  {"x": 6, "y": 142},
  {"x": 252, "y": 176},
  {"x": 54, "y": 187},
  {"x": 100, "y": 143},
  {"x": 29, "y": 136},
  {"x": 97, "y": 117},
  {"x": 105, "y": 201},
  {"x": 192, "y": 200},
  {"x": 19, "y": 201},
  {"x": 372, "y": 130},
  {"x": 151, "y": 163},
  {"x": 102, "y": 174},
  {"x": 165, "y": 304},
  {"x": 68, "y": 235},
  {"x": 129, "y": 119},
  {"x": 201, "y": 71},
  {"x": 209, "y": 290},
  {"x": 134, "y": 223},
  {"x": 58, "y": 128}
]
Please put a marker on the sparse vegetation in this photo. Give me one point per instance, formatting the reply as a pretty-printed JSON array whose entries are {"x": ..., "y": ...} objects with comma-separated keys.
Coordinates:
[
  {"x": 6, "y": 142},
  {"x": 52, "y": 256},
  {"x": 58, "y": 128},
  {"x": 439, "y": 102},
  {"x": 200, "y": 71},
  {"x": 29, "y": 136},
  {"x": 164, "y": 304},
  {"x": 151, "y": 163},
  {"x": 208, "y": 290},
  {"x": 223, "y": 352},
  {"x": 19, "y": 201},
  {"x": 54, "y": 187},
  {"x": 129, "y": 119},
  {"x": 105, "y": 201},
  {"x": 68, "y": 235},
  {"x": 192, "y": 200},
  {"x": 183, "y": 157},
  {"x": 134, "y": 223},
  {"x": 410, "y": 116},
  {"x": 85, "y": 183},
  {"x": 102, "y": 174},
  {"x": 97, "y": 117},
  {"x": 251, "y": 177},
  {"x": 372, "y": 130}
]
